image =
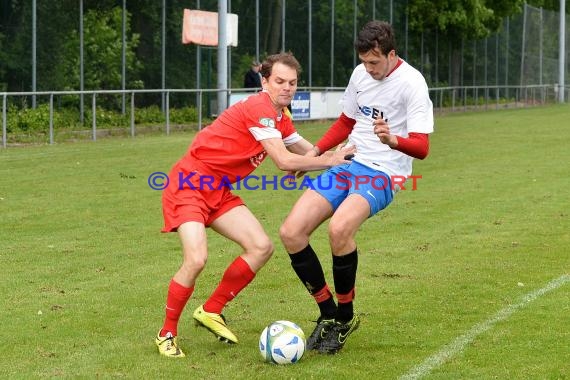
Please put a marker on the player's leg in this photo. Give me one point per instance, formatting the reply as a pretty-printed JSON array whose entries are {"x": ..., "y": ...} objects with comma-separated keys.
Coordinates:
[
  {"x": 240, "y": 225},
  {"x": 307, "y": 214},
  {"x": 370, "y": 193},
  {"x": 343, "y": 227},
  {"x": 194, "y": 249}
]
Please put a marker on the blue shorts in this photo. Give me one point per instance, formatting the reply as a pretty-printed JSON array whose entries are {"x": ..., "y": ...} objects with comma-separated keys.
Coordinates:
[{"x": 339, "y": 182}]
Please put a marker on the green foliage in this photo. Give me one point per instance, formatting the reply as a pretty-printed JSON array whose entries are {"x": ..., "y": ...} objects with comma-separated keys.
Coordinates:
[
  {"x": 451, "y": 21},
  {"x": 35, "y": 122},
  {"x": 107, "y": 118},
  {"x": 102, "y": 52},
  {"x": 458, "y": 19},
  {"x": 184, "y": 115},
  {"x": 30, "y": 120},
  {"x": 148, "y": 115}
]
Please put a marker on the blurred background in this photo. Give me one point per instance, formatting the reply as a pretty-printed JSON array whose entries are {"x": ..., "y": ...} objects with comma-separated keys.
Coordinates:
[{"x": 470, "y": 51}]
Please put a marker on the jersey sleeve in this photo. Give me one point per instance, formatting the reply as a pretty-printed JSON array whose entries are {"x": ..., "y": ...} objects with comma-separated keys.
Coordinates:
[
  {"x": 419, "y": 110},
  {"x": 415, "y": 145},
  {"x": 288, "y": 131},
  {"x": 337, "y": 133},
  {"x": 266, "y": 124},
  {"x": 264, "y": 133},
  {"x": 262, "y": 121},
  {"x": 348, "y": 101}
]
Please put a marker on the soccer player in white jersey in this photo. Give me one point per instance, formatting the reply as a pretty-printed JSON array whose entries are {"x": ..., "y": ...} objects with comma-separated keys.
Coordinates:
[{"x": 387, "y": 115}]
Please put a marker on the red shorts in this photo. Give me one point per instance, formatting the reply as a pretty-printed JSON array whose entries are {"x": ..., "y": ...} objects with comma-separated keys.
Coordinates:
[{"x": 200, "y": 203}]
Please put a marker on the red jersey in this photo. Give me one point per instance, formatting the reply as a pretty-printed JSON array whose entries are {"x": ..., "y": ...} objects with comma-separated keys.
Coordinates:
[{"x": 230, "y": 147}]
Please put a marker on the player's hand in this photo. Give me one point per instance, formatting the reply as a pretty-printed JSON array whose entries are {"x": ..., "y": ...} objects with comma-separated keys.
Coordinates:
[
  {"x": 295, "y": 175},
  {"x": 348, "y": 154},
  {"x": 382, "y": 130},
  {"x": 342, "y": 155}
]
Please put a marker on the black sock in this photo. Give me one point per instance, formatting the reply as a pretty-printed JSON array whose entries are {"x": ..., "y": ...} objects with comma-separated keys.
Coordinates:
[
  {"x": 344, "y": 272},
  {"x": 308, "y": 268}
]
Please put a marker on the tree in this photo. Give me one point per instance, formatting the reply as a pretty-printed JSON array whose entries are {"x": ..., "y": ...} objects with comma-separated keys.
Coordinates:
[
  {"x": 460, "y": 20},
  {"x": 103, "y": 52}
]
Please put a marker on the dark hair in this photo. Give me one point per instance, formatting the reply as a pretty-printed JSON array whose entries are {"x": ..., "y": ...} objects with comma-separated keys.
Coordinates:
[
  {"x": 288, "y": 59},
  {"x": 376, "y": 34}
]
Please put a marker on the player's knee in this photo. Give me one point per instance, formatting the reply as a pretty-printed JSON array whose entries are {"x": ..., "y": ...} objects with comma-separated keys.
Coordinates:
[
  {"x": 266, "y": 250},
  {"x": 287, "y": 234},
  {"x": 263, "y": 248},
  {"x": 339, "y": 232},
  {"x": 194, "y": 264}
]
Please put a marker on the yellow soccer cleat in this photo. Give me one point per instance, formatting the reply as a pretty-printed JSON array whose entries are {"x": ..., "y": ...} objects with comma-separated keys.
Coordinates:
[
  {"x": 216, "y": 323},
  {"x": 168, "y": 346}
]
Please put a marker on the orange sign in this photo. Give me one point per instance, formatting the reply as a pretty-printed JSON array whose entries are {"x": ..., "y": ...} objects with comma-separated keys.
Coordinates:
[{"x": 201, "y": 28}]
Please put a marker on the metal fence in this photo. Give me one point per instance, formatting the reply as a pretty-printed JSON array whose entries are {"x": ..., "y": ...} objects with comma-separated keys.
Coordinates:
[
  {"x": 525, "y": 51},
  {"x": 445, "y": 99}
]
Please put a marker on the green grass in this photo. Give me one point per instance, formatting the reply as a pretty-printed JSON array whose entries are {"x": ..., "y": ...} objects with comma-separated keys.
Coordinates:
[{"x": 85, "y": 268}]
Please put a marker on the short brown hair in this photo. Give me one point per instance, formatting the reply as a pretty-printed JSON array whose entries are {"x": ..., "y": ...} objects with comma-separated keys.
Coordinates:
[
  {"x": 376, "y": 34},
  {"x": 288, "y": 59}
]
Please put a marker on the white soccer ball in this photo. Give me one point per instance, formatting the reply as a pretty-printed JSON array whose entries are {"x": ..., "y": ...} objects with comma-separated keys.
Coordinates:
[{"x": 282, "y": 342}]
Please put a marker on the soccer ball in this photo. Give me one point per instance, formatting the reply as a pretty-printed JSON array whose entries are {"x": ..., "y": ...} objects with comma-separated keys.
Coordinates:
[{"x": 282, "y": 342}]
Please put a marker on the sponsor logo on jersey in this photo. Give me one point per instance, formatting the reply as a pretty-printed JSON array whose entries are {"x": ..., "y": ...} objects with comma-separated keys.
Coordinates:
[
  {"x": 258, "y": 158},
  {"x": 267, "y": 122},
  {"x": 372, "y": 112}
]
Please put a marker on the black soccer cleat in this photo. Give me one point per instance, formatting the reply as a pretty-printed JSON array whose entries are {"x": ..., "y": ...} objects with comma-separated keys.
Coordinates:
[
  {"x": 316, "y": 337},
  {"x": 337, "y": 334}
]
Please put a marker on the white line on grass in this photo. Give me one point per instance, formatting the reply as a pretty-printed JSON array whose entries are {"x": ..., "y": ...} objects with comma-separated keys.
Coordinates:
[{"x": 455, "y": 347}]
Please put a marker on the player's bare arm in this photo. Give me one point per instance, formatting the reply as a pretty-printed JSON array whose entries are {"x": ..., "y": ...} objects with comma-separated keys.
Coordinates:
[
  {"x": 288, "y": 161},
  {"x": 301, "y": 147},
  {"x": 304, "y": 148}
]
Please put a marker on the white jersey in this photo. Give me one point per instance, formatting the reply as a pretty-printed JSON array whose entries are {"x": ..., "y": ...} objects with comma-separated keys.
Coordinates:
[{"x": 403, "y": 99}]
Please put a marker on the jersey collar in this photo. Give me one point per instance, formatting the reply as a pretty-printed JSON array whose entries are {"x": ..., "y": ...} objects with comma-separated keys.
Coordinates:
[{"x": 400, "y": 61}]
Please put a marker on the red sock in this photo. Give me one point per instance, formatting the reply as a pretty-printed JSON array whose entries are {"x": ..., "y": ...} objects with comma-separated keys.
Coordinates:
[
  {"x": 178, "y": 295},
  {"x": 236, "y": 277},
  {"x": 323, "y": 294}
]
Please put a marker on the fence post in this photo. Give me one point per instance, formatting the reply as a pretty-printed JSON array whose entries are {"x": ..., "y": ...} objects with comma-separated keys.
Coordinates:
[
  {"x": 94, "y": 117},
  {"x": 199, "y": 109},
  {"x": 4, "y": 111},
  {"x": 507, "y": 62},
  {"x": 523, "y": 44},
  {"x": 561, "y": 52},
  {"x": 132, "y": 114},
  {"x": 167, "y": 113},
  {"x": 51, "y": 118}
]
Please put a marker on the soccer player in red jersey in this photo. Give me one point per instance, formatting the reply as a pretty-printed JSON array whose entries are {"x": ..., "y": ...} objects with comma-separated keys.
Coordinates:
[
  {"x": 199, "y": 195},
  {"x": 387, "y": 115}
]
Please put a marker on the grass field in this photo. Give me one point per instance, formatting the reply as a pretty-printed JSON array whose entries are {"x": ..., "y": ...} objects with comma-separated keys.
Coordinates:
[{"x": 467, "y": 277}]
